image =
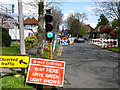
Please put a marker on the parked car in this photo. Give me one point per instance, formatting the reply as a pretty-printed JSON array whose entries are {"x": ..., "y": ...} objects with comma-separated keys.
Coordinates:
[
  {"x": 75, "y": 40},
  {"x": 86, "y": 39},
  {"x": 80, "y": 40}
]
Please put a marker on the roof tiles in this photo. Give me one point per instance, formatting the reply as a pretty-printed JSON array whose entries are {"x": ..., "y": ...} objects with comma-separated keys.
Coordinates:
[{"x": 30, "y": 21}]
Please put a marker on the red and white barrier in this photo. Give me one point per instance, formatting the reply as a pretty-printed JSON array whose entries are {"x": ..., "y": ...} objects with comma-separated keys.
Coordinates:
[
  {"x": 104, "y": 43},
  {"x": 71, "y": 40},
  {"x": 46, "y": 45},
  {"x": 107, "y": 45}
]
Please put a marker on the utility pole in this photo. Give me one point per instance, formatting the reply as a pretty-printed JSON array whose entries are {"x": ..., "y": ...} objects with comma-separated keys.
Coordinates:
[
  {"x": 22, "y": 43},
  {"x": 40, "y": 49}
]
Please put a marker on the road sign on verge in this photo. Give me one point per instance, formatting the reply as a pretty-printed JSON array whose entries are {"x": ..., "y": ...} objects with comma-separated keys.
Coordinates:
[
  {"x": 46, "y": 72},
  {"x": 14, "y": 61}
]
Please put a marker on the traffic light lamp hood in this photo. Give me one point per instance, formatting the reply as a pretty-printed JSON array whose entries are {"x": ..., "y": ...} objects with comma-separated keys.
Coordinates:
[{"x": 48, "y": 11}]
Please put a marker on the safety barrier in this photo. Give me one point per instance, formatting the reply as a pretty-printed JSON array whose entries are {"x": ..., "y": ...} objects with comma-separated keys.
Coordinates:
[
  {"x": 46, "y": 45},
  {"x": 104, "y": 43},
  {"x": 64, "y": 41},
  {"x": 71, "y": 39},
  {"x": 67, "y": 42}
]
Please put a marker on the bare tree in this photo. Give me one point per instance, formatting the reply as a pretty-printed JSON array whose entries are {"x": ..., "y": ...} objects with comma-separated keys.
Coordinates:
[
  {"x": 69, "y": 21},
  {"x": 75, "y": 23},
  {"x": 81, "y": 17},
  {"x": 57, "y": 15}
]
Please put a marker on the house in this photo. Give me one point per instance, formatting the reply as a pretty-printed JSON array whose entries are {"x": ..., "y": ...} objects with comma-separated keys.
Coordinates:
[
  {"x": 96, "y": 33},
  {"x": 30, "y": 29},
  {"x": 31, "y": 24},
  {"x": 88, "y": 30},
  {"x": 14, "y": 33}
]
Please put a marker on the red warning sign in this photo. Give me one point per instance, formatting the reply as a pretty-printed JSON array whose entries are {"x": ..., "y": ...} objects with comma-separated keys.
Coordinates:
[{"x": 46, "y": 72}]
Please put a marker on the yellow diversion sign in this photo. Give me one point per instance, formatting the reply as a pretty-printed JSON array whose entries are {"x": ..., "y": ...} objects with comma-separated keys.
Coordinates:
[{"x": 14, "y": 61}]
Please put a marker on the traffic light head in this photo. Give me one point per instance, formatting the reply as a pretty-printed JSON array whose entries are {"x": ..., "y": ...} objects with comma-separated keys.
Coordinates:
[{"x": 49, "y": 26}]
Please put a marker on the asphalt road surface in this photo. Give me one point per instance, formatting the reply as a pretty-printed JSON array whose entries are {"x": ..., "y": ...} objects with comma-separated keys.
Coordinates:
[{"x": 90, "y": 67}]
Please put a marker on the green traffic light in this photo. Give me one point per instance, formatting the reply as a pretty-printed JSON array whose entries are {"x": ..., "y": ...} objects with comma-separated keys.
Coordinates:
[{"x": 49, "y": 34}]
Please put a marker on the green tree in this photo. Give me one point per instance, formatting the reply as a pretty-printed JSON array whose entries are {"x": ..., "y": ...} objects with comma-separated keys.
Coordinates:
[
  {"x": 115, "y": 23},
  {"x": 6, "y": 38},
  {"x": 103, "y": 20}
]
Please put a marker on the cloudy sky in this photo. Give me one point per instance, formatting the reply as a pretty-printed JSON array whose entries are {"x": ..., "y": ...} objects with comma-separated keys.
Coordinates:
[{"x": 67, "y": 7}]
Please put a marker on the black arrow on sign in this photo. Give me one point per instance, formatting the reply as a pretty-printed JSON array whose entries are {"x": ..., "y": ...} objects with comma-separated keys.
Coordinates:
[{"x": 21, "y": 61}]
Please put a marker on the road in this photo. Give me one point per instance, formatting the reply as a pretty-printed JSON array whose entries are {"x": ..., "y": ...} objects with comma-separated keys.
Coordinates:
[{"x": 90, "y": 67}]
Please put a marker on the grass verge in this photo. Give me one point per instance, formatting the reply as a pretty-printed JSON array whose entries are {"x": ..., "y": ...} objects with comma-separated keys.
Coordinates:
[
  {"x": 15, "y": 50},
  {"x": 10, "y": 81},
  {"x": 12, "y": 50},
  {"x": 113, "y": 48},
  {"x": 45, "y": 56}
]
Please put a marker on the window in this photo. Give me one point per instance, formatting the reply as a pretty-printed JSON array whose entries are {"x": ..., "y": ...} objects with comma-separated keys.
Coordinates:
[{"x": 28, "y": 27}]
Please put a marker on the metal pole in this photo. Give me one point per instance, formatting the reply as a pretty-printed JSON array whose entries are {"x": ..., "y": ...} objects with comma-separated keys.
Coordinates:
[
  {"x": 48, "y": 50},
  {"x": 51, "y": 54}
]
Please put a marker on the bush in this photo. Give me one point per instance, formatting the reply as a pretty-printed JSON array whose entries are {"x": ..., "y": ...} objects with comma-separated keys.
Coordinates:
[
  {"x": 117, "y": 31},
  {"x": 107, "y": 29},
  {"x": 31, "y": 40},
  {"x": 111, "y": 33},
  {"x": 6, "y": 38}
]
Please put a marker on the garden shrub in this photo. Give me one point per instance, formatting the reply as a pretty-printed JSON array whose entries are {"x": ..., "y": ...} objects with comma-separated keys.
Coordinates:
[
  {"x": 6, "y": 38},
  {"x": 31, "y": 40}
]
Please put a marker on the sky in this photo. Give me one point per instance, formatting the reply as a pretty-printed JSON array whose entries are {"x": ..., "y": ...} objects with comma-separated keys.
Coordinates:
[
  {"x": 67, "y": 7},
  {"x": 80, "y": 7}
]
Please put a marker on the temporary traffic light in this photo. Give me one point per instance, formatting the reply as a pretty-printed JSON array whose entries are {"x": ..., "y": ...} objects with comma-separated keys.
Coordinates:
[{"x": 49, "y": 26}]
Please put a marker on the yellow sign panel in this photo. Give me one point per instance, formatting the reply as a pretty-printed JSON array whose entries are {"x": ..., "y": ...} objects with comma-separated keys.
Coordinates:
[{"x": 14, "y": 61}]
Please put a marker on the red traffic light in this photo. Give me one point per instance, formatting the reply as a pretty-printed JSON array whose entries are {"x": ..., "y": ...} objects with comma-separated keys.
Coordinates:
[
  {"x": 48, "y": 27},
  {"x": 48, "y": 18}
]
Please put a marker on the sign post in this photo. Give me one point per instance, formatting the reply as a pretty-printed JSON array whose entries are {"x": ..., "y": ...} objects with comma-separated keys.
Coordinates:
[{"x": 46, "y": 72}]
